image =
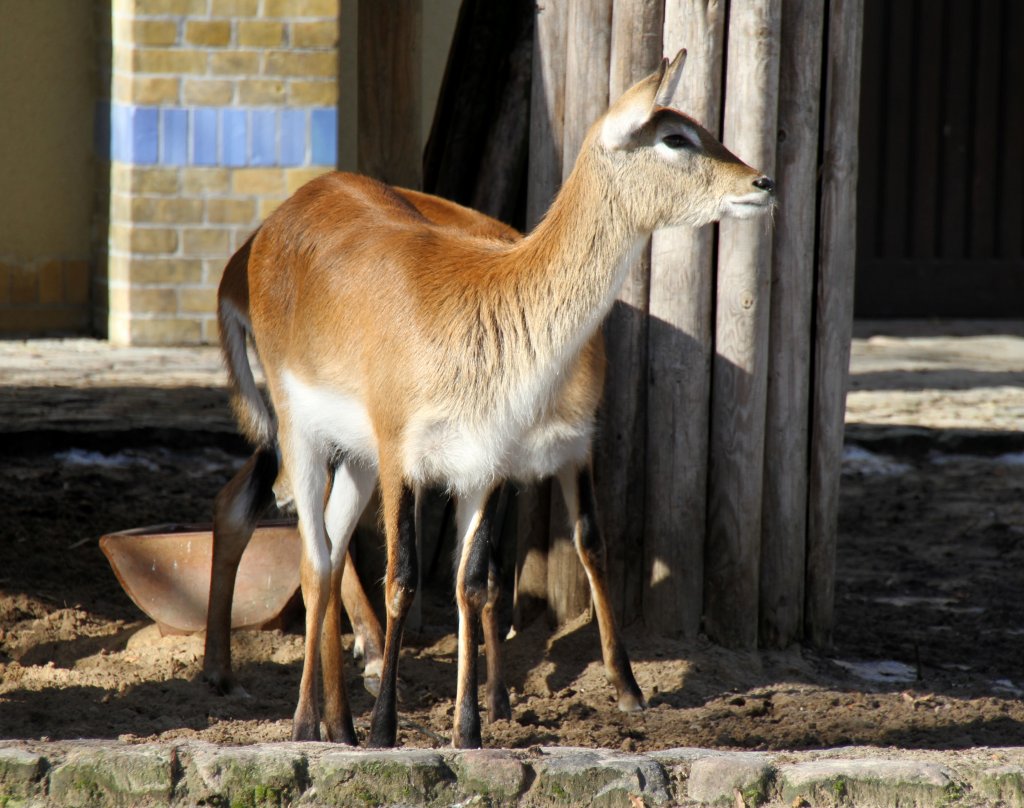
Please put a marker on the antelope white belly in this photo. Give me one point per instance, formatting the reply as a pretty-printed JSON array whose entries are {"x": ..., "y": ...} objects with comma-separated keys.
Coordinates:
[
  {"x": 443, "y": 450},
  {"x": 548, "y": 447},
  {"x": 439, "y": 449},
  {"x": 469, "y": 457},
  {"x": 336, "y": 420}
]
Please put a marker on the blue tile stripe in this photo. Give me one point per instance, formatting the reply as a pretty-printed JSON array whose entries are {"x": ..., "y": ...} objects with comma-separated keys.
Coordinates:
[{"x": 217, "y": 136}]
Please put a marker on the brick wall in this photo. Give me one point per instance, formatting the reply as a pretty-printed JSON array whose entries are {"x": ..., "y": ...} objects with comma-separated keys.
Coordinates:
[{"x": 219, "y": 110}]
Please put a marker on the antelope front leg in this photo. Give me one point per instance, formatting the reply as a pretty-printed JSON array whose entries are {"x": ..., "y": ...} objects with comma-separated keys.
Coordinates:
[
  {"x": 578, "y": 490},
  {"x": 307, "y": 470},
  {"x": 476, "y": 523},
  {"x": 351, "y": 487},
  {"x": 237, "y": 508},
  {"x": 399, "y": 590},
  {"x": 337, "y": 713},
  {"x": 316, "y": 583}
]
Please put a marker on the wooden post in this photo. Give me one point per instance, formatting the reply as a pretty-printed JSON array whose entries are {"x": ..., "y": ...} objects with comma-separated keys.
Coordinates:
[
  {"x": 477, "y": 150},
  {"x": 784, "y": 513},
  {"x": 739, "y": 375},
  {"x": 636, "y": 31},
  {"x": 586, "y": 98},
  {"x": 679, "y": 357},
  {"x": 834, "y": 311},
  {"x": 547, "y": 111},
  {"x": 389, "y": 95},
  {"x": 587, "y": 50},
  {"x": 388, "y": 144}
]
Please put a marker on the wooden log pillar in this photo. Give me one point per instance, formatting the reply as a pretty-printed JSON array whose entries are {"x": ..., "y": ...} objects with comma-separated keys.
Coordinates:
[
  {"x": 739, "y": 374},
  {"x": 547, "y": 112},
  {"x": 784, "y": 498},
  {"x": 834, "y": 309},
  {"x": 587, "y": 46},
  {"x": 388, "y": 143},
  {"x": 723, "y": 464},
  {"x": 585, "y": 98},
  {"x": 679, "y": 357},
  {"x": 636, "y": 34},
  {"x": 389, "y": 92}
]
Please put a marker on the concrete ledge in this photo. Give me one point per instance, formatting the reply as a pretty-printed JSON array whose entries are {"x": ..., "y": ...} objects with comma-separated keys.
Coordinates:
[
  {"x": 94, "y": 773},
  {"x": 869, "y": 782}
]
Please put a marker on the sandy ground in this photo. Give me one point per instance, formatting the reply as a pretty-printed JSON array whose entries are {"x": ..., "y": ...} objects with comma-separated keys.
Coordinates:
[{"x": 929, "y": 615}]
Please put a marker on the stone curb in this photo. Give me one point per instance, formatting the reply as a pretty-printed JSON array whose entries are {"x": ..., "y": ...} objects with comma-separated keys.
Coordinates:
[{"x": 99, "y": 773}]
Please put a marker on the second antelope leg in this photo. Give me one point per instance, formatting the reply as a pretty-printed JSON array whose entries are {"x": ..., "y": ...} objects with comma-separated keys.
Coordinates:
[
  {"x": 368, "y": 634},
  {"x": 475, "y": 517},
  {"x": 498, "y": 706},
  {"x": 399, "y": 500},
  {"x": 578, "y": 491}
]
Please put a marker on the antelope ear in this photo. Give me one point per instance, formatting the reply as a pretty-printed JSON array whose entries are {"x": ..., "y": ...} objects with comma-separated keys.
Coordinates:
[
  {"x": 670, "y": 81},
  {"x": 635, "y": 106},
  {"x": 632, "y": 110}
]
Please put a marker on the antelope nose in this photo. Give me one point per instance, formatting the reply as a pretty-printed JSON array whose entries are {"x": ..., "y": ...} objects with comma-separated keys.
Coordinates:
[{"x": 765, "y": 184}]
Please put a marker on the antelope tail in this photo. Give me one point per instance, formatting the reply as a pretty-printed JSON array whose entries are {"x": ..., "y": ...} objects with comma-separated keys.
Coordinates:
[{"x": 254, "y": 417}]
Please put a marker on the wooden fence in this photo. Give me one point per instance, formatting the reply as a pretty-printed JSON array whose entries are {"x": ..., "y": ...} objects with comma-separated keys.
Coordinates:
[{"x": 718, "y": 461}]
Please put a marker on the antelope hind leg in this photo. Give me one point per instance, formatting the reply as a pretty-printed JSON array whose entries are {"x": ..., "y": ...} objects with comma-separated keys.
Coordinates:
[
  {"x": 236, "y": 509},
  {"x": 578, "y": 489}
]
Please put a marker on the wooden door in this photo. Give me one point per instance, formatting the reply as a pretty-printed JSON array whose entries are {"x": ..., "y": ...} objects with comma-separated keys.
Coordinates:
[{"x": 940, "y": 213}]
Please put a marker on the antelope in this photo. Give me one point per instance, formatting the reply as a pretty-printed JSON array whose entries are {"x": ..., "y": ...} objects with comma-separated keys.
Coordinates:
[
  {"x": 401, "y": 351},
  {"x": 260, "y": 481}
]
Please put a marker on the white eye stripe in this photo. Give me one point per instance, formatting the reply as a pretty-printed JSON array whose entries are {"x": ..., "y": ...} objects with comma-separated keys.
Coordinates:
[{"x": 681, "y": 132}]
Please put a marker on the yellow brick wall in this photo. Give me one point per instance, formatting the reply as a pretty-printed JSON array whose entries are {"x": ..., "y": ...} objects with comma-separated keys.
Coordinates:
[
  {"x": 171, "y": 233},
  {"x": 234, "y": 51},
  {"x": 173, "y": 227}
]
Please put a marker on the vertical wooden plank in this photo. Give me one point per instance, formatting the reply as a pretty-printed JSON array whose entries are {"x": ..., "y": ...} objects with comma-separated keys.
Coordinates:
[
  {"x": 985, "y": 140},
  {"x": 739, "y": 374},
  {"x": 547, "y": 109},
  {"x": 635, "y": 43},
  {"x": 390, "y": 95},
  {"x": 679, "y": 357},
  {"x": 896, "y": 155},
  {"x": 586, "y": 97},
  {"x": 834, "y": 311},
  {"x": 956, "y": 127},
  {"x": 927, "y": 130},
  {"x": 1011, "y": 178},
  {"x": 389, "y": 98},
  {"x": 784, "y": 512},
  {"x": 588, "y": 44},
  {"x": 635, "y": 51},
  {"x": 871, "y": 125},
  {"x": 477, "y": 149},
  {"x": 530, "y": 597}
]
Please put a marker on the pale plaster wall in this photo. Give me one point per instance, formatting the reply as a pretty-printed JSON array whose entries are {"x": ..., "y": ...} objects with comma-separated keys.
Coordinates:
[{"x": 47, "y": 97}]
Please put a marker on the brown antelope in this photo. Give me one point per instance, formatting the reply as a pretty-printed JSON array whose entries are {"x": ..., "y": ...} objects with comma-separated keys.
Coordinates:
[
  {"x": 251, "y": 491},
  {"x": 401, "y": 350}
]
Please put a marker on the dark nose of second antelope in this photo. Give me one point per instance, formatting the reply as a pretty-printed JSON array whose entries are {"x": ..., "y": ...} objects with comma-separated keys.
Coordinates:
[{"x": 765, "y": 184}]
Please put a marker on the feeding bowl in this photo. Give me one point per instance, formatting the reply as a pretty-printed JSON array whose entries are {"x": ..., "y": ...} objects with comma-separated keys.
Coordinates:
[{"x": 165, "y": 570}]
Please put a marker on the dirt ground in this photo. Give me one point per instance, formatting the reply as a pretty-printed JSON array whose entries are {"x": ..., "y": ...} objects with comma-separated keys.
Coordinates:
[{"x": 928, "y": 640}]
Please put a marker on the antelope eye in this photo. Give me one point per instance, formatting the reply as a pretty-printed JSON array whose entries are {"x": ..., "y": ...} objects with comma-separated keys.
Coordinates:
[{"x": 677, "y": 142}]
